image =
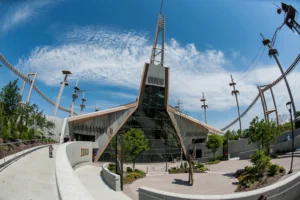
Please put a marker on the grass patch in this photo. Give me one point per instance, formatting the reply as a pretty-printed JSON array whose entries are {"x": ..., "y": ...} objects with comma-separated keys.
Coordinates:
[{"x": 212, "y": 162}]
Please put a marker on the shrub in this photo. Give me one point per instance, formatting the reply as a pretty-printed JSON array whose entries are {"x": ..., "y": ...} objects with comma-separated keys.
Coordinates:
[
  {"x": 282, "y": 170},
  {"x": 143, "y": 174},
  {"x": 260, "y": 161},
  {"x": 111, "y": 167},
  {"x": 185, "y": 165},
  {"x": 199, "y": 165},
  {"x": 181, "y": 165},
  {"x": 5, "y": 134},
  {"x": 129, "y": 169},
  {"x": 212, "y": 162},
  {"x": 273, "y": 170}
]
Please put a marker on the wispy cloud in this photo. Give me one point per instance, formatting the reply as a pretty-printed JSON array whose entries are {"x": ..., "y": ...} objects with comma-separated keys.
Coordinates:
[
  {"x": 21, "y": 12},
  {"x": 117, "y": 58}
]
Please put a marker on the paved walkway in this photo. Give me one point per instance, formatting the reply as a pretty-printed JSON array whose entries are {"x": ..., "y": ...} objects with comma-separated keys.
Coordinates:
[
  {"x": 31, "y": 177},
  {"x": 89, "y": 175},
  {"x": 217, "y": 181}
]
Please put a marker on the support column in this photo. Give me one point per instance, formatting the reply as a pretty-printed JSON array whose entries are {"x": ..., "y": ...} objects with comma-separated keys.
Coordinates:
[{"x": 31, "y": 86}]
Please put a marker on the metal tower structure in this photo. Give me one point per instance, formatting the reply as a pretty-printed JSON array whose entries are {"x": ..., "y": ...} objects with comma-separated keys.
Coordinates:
[
  {"x": 235, "y": 93},
  {"x": 31, "y": 87},
  {"x": 96, "y": 108},
  {"x": 178, "y": 107},
  {"x": 63, "y": 84},
  {"x": 262, "y": 90},
  {"x": 290, "y": 14},
  {"x": 74, "y": 97},
  {"x": 82, "y": 105},
  {"x": 204, "y": 106},
  {"x": 159, "y": 50},
  {"x": 273, "y": 53}
]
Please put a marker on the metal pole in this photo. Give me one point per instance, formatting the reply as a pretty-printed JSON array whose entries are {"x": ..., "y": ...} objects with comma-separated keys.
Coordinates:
[
  {"x": 59, "y": 94},
  {"x": 275, "y": 106},
  {"x": 262, "y": 102},
  {"x": 23, "y": 88},
  {"x": 204, "y": 106},
  {"x": 237, "y": 102},
  {"x": 31, "y": 86},
  {"x": 273, "y": 52},
  {"x": 291, "y": 169}
]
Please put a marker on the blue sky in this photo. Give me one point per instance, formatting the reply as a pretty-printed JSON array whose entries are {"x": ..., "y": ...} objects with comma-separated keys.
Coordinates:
[{"x": 106, "y": 43}]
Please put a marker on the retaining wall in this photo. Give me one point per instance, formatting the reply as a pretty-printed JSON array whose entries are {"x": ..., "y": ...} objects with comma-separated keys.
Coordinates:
[
  {"x": 235, "y": 147},
  {"x": 68, "y": 184},
  {"x": 287, "y": 189},
  {"x": 111, "y": 179}
]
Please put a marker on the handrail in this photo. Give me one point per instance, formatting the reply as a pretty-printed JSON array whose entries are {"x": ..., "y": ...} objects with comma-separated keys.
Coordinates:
[{"x": 4, "y": 154}]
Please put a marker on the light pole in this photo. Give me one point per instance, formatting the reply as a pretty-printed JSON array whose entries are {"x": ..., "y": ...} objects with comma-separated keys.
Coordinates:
[
  {"x": 65, "y": 82},
  {"x": 288, "y": 106}
]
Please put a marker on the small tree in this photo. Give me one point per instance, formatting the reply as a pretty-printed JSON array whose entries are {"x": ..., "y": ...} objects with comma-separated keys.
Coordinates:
[
  {"x": 135, "y": 143},
  {"x": 260, "y": 161},
  {"x": 262, "y": 131},
  {"x": 14, "y": 130},
  {"x": 214, "y": 142}
]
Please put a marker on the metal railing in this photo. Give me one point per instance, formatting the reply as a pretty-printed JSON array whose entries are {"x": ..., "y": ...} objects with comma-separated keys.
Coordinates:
[{"x": 12, "y": 148}]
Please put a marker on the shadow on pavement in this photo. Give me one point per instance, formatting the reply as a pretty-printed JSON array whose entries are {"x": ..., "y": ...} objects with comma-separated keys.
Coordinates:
[
  {"x": 230, "y": 175},
  {"x": 181, "y": 182}
]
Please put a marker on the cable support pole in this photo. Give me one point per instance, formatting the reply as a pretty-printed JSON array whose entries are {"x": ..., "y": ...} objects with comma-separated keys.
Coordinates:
[
  {"x": 273, "y": 53},
  {"x": 263, "y": 102},
  {"x": 26, "y": 79},
  {"x": 74, "y": 97},
  {"x": 204, "y": 106},
  {"x": 294, "y": 64},
  {"x": 236, "y": 92},
  {"x": 275, "y": 106}
]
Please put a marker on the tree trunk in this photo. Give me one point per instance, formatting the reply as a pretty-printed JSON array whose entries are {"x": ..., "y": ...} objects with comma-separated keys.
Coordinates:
[{"x": 133, "y": 165}]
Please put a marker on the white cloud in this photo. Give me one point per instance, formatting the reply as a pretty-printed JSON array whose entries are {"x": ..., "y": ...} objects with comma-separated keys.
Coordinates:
[
  {"x": 235, "y": 53},
  {"x": 117, "y": 58},
  {"x": 22, "y": 12}
]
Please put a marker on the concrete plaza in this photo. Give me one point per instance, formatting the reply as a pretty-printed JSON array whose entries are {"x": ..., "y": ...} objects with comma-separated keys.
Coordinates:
[{"x": 217, "y": 181}]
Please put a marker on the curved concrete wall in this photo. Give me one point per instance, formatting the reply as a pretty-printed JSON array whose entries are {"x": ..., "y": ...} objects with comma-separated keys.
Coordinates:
[
  {"x": 68, "y": 185},
  {"x": 287, "y": 189},
  {"x": 111, "y": 179}
]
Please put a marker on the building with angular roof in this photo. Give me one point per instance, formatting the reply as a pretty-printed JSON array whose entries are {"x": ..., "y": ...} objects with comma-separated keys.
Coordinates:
[{"x": 169, "y": 132}]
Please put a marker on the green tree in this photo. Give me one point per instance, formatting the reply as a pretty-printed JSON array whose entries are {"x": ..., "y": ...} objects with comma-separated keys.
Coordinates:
[
  {"x": 10, "y": 98},
  {"x": 262, "y": 131},
  {"x": 229, "y": 135},
  {"x": 260, "y": 162},
  {"x": 298, "y": 114},
  {"x": 214, "y": 142},
  {"x": 31, "y": 134},
  {"x": 134, "y": 143},
  {"x": 14, "y": 130},
  {"x": 5, "y": 134}
]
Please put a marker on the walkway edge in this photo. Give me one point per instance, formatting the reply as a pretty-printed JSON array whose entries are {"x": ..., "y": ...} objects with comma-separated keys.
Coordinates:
[
  {"x": 11, "y": 158},
  {"x": 68, "y": 184}
]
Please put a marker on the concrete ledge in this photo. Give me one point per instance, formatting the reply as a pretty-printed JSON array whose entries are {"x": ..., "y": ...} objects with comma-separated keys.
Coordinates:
[
  {"x": 68, "y": 185},
  {"x": 287, "y": 189},
  {"x": 111, "y": 179},
  {"x": 8, "y": 159}
]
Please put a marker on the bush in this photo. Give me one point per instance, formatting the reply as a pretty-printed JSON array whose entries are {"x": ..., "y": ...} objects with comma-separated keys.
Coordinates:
[
  {"x": 5, "y": 134},
  {"x": 181, "y": 165},
  {"x": 143, "y": 174},
  {"x": 282, "y": 170},
  {"x": 185, "y": 165},
  {"x": 212, "y": 162},
  {"x": 199, "y": 165},
  {"x": 260, "y": 161},
  {"x": 111, "y": 167},
  {"x": 273, "y": 170},
  {"x": 129, "y": 169}
]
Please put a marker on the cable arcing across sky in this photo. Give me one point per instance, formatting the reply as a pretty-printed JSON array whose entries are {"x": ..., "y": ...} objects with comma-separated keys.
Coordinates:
[
  {"x": 25, "y": 78},
  {"x": 266, "y": 88}
]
